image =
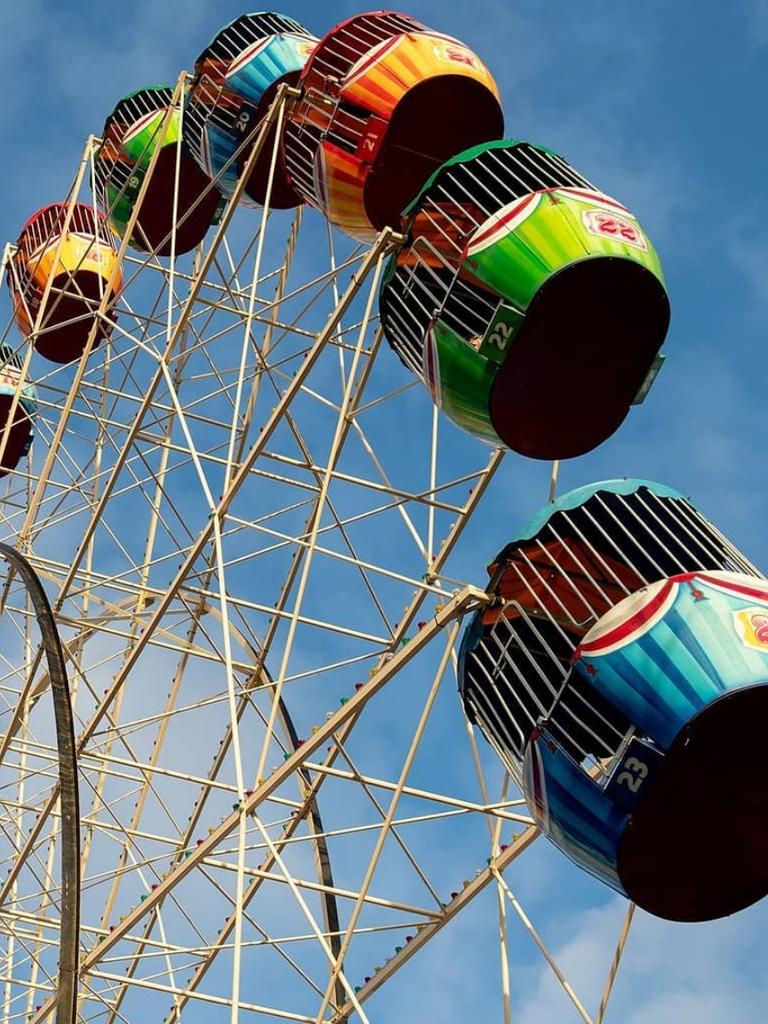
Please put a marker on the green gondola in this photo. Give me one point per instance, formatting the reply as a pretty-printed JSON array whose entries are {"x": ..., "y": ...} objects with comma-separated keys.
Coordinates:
[
  {"x": 530, "y": 304},
  {"x": 132, "y": 133}
]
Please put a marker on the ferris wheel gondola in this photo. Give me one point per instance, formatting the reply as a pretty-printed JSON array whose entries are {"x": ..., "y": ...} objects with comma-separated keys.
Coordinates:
[
  {"x": 384, "y": 101},
  {"x": 530, "y": 304},
  {"x": 19, "y": 430},
  {"x": 180, "y": 202},
  {"x": 238, "y": 496},
  {"x": 68, "y": 260},
  {"x": 236, "y": 78},
  {"x": 622, "y": 676}
]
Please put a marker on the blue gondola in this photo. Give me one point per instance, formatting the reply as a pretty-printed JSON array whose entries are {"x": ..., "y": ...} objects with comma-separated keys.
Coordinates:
[
  {"x": 236, "y": 79},
  {"x": 622, "y": 676},
  {"x": 19, "y": 431}
]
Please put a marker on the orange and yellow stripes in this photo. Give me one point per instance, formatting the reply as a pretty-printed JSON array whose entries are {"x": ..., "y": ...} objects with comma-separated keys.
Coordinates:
[{"x": 385, "y": 74}]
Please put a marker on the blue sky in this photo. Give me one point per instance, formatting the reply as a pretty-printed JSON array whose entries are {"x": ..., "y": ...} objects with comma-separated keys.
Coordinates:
[{"x": 661, "y": 105}]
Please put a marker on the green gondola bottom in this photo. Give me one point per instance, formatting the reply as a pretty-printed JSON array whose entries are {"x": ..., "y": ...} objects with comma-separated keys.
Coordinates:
[
  {"x": 132, "y": 134},
  {"x": 531, "y": 305}
]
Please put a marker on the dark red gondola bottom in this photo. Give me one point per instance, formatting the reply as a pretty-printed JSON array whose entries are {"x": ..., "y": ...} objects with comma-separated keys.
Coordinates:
[
  {"x": 432, "y": 123},
  {"x": 283, "y": 196},
  {"x": 69, "y": 317},
  {"x": 580, "y": 357},
  {"x": 696, "y": 848},
  {"x": 17, "y": 437},
  {"x": 197, "y": 205}
]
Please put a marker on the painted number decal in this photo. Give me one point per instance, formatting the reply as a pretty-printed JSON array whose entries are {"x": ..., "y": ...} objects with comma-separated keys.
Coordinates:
[
  {"x": 459, "y": 55},
  {"x": 634, "y": 774},
  {"x": 501, "y": 335},
  {"x": 599, "y": 222}
]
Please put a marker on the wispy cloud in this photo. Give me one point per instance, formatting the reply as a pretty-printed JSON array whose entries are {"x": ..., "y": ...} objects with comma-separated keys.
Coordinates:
[
  {"x": 757, "y": 21},
  {"x": 714, "y": 981}
]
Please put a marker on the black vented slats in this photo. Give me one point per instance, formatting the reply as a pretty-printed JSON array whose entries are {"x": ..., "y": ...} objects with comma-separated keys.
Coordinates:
[
  {"x": 459, "y": 200},
  {"x": 407, "y": 306},
  {"x": 584, "y": 723},
  {"x": 684, "y": 536},
  {"x": 349, "y": 127},
  {"x": 212, "y": 101},
  {"x": 85, "y": 221},
  {"x": 519, "y": 676},
  {"x": 126, "y": 114},
  {"x": 47, "y": 225},
  {"x": 583, "y": 561},
  {"x": 300, "y": 155},
  {"x": 8, "y": 357},
  {"x": 246, "y": 30},
  {"x": 316, "y": 113},
  {"x": 349, "y": 42},
  {"x": 654, "y": 536},
  {"x": 131, "y": 109},
  {"x": 513, "y": 677},
  {"x": 497, "y": 176},
  {"x": 416, "y": 295}
]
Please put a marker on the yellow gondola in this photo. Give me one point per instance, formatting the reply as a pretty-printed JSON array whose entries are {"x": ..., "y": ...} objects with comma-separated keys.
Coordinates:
[{"x": 80, "y": 264}]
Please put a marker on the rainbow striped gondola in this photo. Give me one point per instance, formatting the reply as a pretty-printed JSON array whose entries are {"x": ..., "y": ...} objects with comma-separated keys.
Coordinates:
[{"x": 385, "y": 101}]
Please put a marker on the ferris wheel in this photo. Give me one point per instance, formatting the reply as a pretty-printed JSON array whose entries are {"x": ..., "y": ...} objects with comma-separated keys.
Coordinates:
[{"x": 247, "y": 513}]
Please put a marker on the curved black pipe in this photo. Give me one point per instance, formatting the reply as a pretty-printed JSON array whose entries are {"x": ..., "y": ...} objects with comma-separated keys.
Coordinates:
[
  {"x": 315, "y": 822},
  {"x": 322, "y": 854},
  {"x": 66, "y": 999},
  {"x": 66, "y": 996}
]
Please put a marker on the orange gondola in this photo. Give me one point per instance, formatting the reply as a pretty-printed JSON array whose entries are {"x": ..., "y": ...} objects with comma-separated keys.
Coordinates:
[{"x": 385, "y": 101}]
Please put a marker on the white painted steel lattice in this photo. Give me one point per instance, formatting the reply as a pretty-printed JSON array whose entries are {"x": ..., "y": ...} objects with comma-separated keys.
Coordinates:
[{"x": 243, "y": 510}]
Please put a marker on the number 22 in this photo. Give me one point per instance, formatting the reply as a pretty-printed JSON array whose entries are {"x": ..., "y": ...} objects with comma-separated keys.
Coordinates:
[{"x": 501, "y": 336}]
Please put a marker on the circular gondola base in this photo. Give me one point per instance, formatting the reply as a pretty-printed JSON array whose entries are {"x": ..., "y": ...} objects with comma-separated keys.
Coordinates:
[
  {"x": 435, "y": 120},
  {"x": 17, "y": 435},
  {"x": 197, "y": 204},
  {"x": 580, "y": 357},
  {"x": 696, "y": 848},
  {"x": 283, "y": 196},
  {"x": 69, "y": 317}
]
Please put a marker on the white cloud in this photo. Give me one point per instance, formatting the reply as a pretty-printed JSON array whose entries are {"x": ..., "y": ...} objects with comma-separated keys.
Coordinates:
[
  {"x": 749, "y": 253},
  {"x": 757, "y": 21},
  {"x": 671, "y": 973}
]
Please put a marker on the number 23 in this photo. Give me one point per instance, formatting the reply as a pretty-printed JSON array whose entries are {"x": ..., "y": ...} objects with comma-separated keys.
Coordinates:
[{"x": 635, "y": 774}]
